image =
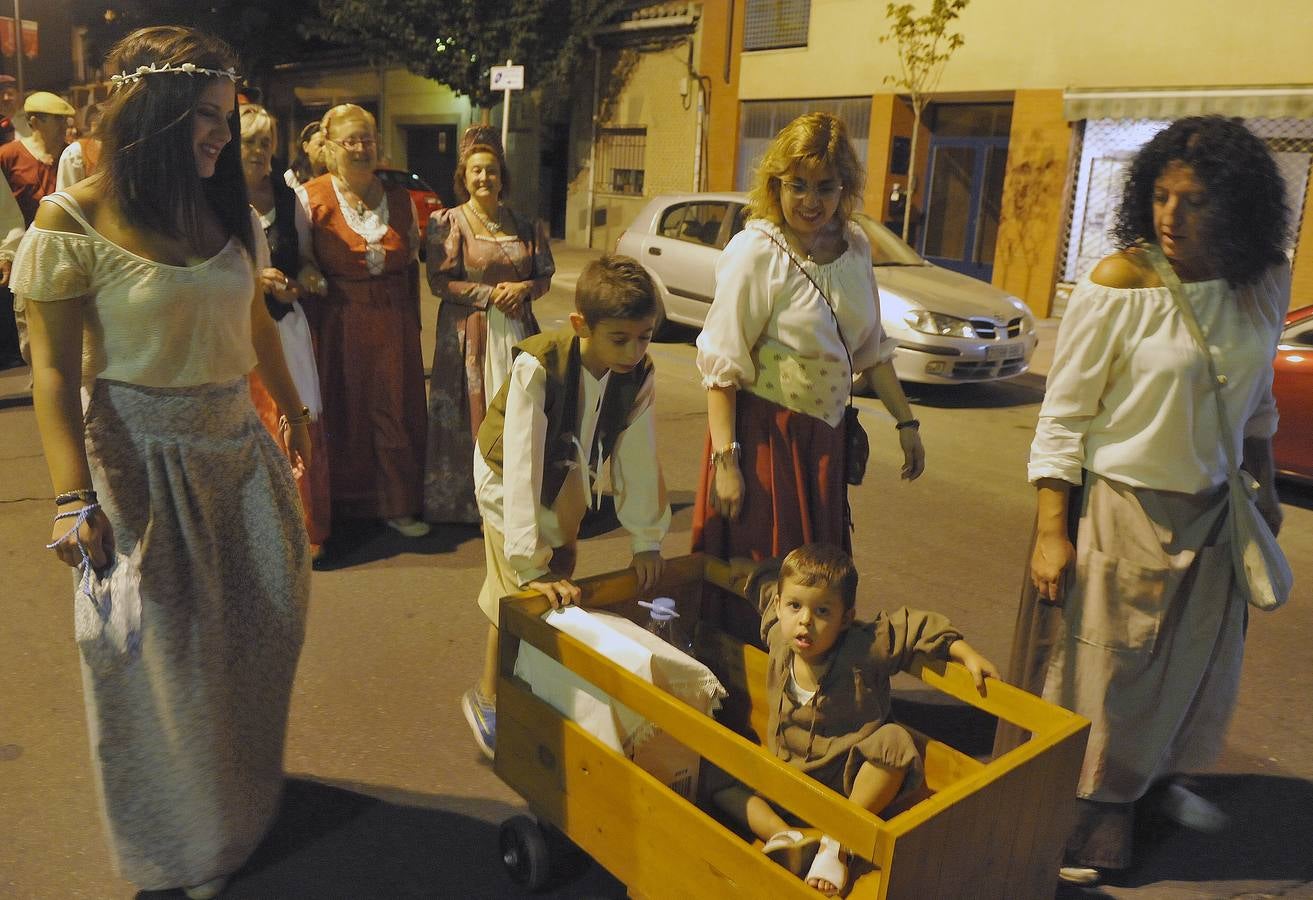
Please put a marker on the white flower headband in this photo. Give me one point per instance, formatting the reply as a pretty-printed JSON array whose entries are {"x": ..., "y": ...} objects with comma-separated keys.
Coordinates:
[{"x": 125, "y": 78}]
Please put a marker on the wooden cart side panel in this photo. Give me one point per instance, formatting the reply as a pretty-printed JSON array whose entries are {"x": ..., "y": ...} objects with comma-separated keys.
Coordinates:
[
  {"x": 853, "y": 827},
  {"x": 656, "y": 842},
  {"x": 1001, "y": 840}
]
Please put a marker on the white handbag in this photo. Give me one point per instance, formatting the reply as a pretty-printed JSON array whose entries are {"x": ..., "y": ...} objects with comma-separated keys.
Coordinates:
[{"x": 1262, "y": 571}]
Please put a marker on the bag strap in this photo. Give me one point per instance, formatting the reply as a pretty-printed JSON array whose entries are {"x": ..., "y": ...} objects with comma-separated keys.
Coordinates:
[
  {"x": 828, "y": 305},
  {"x": 1173, "y": 284}
]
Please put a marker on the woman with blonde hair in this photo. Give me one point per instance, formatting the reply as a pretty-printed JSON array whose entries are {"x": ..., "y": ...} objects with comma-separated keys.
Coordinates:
[
  {"x": 795, "y": 316},
  {"x": 278, "y": 256},
  {"x": 169, "y": 477},
  {"x": 359, "y": 246},
  {"x": 487, "y": 264}
]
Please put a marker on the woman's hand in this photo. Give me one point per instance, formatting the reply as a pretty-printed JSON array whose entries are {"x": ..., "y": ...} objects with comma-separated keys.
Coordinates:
[
  {"x": 313, "y": 281},
  {"x": 95, "y": 534},
  {"x": 1053, "y": 555},
  {"x": 296, "y": 439},
  {"x": 913, "y": 453},
  {"x": 275, "y": 283},
  {"x": 727, "y": 489},
  {"x": 511, "y": 296}
]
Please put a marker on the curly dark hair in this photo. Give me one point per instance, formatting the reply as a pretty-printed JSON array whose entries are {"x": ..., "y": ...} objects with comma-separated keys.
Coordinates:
[{"x": 1247, "y": 219}]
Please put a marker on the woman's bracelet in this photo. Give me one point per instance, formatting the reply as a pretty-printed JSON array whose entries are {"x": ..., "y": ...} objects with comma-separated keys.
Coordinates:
[
  {"x": 732, "y": 450},
  {"x": 83, "y": 495},
  {"x": 301, "y": 418},
  {"x": 910, "y": 423}
]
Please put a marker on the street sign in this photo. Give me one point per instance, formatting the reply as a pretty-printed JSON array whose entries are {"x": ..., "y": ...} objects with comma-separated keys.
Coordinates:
[{"x": 507, "y": 78}]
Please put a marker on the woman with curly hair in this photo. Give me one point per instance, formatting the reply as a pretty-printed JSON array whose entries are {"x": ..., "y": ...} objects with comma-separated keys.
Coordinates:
[
  {"x": 795, "y": 316},
  {"x": 1131, "y": 614}
]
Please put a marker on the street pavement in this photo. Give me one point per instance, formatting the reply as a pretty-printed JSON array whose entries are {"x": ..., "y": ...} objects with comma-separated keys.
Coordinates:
[{"x": 387, "y": 796}]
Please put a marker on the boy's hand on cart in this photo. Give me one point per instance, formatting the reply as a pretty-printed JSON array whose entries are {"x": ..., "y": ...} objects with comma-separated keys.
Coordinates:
[
  {"x": 558, "y": 593},
  {"x": 647, "y": 565},
  {"x": 979, "y": 667}
]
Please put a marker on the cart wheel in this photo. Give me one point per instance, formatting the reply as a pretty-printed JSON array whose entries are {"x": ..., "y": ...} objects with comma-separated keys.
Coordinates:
[{"x": 524, "y": 852}]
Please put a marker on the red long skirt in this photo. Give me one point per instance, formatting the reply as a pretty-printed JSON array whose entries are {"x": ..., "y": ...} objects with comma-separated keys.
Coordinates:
[{"x": 794, "y": 493}]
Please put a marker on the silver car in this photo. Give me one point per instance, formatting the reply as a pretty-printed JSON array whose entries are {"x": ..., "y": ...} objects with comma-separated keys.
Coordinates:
[{"x": 950, "y": 328}]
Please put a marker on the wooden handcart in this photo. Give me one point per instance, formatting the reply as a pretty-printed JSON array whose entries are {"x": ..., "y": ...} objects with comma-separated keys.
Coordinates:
[{"x": 987, "y": 829}]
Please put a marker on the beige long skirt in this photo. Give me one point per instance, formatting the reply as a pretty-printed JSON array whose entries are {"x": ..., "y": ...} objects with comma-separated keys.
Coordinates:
[
  {"x": 1151, "y": 636},
  {"x": 187, "y": 740}
]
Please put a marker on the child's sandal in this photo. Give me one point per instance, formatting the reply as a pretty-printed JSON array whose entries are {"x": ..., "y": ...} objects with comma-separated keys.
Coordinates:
[
  {"x": 791, "y": 849},
  {"x": 828, "y": 865}
]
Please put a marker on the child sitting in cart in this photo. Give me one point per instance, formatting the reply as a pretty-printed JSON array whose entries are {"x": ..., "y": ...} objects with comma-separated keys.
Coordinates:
[
  {"x": 829, "y": 697},
  {"x": 576, "y": 413}
]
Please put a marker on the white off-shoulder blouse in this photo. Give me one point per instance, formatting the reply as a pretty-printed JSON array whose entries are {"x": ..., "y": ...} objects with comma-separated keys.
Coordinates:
[
  {"x": 144, "y": 322},
  {"x": 763, "y": 300},
  {"x": 1128, "y": 395}
]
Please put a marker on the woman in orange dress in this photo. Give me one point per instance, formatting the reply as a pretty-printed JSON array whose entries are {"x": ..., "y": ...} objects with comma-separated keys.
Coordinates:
[{"x": 359, "y": 245}]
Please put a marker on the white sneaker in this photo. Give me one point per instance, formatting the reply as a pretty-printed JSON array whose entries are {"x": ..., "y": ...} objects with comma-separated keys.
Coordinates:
[
  {"x": 1186, "y": 808},
  {"x": 408, "y": 526}
]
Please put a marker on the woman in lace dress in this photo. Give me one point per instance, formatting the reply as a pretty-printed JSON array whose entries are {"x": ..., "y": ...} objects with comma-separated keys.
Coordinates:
[
  {"x": 794, "y": 316},
  {"x": 360, "y": 246},
  {"x": 487, "y": 265},
  {"x": 149, "y": 264}
]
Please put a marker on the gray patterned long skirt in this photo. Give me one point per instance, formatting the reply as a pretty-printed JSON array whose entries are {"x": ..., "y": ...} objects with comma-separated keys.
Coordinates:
[{"x": 187, "y": 740}]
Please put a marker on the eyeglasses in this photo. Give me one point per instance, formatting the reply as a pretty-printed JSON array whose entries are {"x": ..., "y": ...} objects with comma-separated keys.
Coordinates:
[
  {"x": 826, "y": 190},
  {"x": 355, "y": 145}
]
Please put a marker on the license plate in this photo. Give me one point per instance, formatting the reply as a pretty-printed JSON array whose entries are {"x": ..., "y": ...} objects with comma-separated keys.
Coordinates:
[{"x": 1005, "y": 351}]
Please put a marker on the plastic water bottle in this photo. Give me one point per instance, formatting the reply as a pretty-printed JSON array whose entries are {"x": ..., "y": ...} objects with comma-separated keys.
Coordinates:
[{"x": 662, "y": 621}]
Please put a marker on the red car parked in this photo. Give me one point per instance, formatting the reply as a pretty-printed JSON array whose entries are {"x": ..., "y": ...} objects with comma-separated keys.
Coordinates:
[
  {"x": 424, "y": 197},
  {"x": 1293, "y": 387}
]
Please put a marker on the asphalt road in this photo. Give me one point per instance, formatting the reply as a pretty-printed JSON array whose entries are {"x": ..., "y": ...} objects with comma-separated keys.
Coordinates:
[{"x": 388, "y": 797}]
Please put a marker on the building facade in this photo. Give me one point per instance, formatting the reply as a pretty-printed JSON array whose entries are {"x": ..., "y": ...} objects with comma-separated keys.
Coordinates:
[{"x": 1023, "y": 147}]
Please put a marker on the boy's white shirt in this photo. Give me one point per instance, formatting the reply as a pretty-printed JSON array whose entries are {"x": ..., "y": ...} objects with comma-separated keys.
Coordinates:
[{"x": 510, "y": 502}]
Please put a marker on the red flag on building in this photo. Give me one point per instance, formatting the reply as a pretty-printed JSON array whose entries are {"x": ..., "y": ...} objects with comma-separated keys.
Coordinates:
[
  {"x": 31, "y": 39},
  {"x": 9, "y": 39}
]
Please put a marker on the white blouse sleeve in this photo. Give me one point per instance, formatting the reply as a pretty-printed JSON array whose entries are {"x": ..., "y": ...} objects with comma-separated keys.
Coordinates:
[
  {"x": 304, "y": 239},
  {"x": 263, "y": 258},
  {"x": 747, "y": 277},
  {"x": 72, "y": 167},
  {"x": 878, "y": 347},
  {"x": 1273, "y": 293},
  {"x": 640, "y": 489},
  {"x": 11, "y": 225},
  {"x": 524, "y": 447},
  {"x": 52, "y": 265},
  {"x": 1082, "y": 360}
]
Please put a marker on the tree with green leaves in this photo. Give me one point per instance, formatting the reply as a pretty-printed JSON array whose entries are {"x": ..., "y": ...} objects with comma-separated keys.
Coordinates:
[
  {"x": 456, "y": 42},
  {"x": 924, "y": 46}
]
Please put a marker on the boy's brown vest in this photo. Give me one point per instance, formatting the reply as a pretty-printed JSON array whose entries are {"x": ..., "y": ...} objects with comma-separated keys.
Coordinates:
[{"x": 558, "y": 352}]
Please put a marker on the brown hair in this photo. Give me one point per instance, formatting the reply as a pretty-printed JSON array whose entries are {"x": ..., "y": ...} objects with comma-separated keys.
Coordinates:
[
  {"x": 614, "y": 287},
  {"x": 825, "y": 565},
  {"x": 815, "y": 138}
]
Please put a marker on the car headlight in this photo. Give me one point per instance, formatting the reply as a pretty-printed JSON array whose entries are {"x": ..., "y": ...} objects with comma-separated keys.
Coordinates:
[
  {"x": 928, "y": 322},
  {"x": 1028, "y": 321}
]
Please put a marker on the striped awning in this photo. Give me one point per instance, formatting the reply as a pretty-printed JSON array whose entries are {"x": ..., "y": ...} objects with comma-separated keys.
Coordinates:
[{"x": 1269, "y": 101}]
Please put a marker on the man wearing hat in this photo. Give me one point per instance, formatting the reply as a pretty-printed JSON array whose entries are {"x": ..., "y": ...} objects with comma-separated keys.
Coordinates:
[
  {"x": 28, "y": 164},
  {"x": 8, "y": 106}
]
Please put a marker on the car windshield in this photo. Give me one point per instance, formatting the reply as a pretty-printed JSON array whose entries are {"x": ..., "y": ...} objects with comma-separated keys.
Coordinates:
[{"x": 887, "y": 248}]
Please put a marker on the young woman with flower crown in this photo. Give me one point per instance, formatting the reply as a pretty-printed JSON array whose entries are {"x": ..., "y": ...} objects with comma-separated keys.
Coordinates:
[{"x": 150, "y": 263}]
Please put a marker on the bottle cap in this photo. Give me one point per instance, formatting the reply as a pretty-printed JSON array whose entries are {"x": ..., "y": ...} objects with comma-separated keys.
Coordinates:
[{"x": 662, "y": 608}]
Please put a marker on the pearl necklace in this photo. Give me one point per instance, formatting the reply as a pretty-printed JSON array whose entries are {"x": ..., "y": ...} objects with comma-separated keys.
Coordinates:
[
  {"x": 357, "y": 202},
  {"x": 494, "y": 228}
]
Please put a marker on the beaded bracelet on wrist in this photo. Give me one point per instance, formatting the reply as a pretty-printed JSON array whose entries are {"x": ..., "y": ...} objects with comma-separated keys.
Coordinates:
[
  {"x": 732, "y": 450},
  {"x": 910, "y": 423},
  {"x": 82, "y": 495}
]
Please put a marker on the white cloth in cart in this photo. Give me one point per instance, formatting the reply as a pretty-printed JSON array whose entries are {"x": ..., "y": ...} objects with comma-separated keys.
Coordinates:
[{"x": 634, "y": 649}]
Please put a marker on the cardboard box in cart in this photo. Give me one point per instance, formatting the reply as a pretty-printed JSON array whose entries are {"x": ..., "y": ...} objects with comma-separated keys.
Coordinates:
[{"x": 670, "y": 762}]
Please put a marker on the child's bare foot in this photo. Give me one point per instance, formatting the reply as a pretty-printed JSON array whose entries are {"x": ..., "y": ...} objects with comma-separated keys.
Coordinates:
[{"x": 828, "y": 873}]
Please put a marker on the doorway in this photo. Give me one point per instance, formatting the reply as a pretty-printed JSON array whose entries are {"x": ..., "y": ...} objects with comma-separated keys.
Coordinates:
[
  {"x": 431, "y": 154},
  {"x": 964, "y": 187}
]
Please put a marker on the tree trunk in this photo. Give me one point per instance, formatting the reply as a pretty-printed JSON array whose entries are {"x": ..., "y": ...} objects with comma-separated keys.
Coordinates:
[{"x": 911, "y": 168}]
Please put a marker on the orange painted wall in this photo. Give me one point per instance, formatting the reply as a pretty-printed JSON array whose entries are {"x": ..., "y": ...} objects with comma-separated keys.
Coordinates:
[
  {"x": 891, "y": 117},
  {"x": 1034, "y": 201},
  {"x": 722, "y": 19}
]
